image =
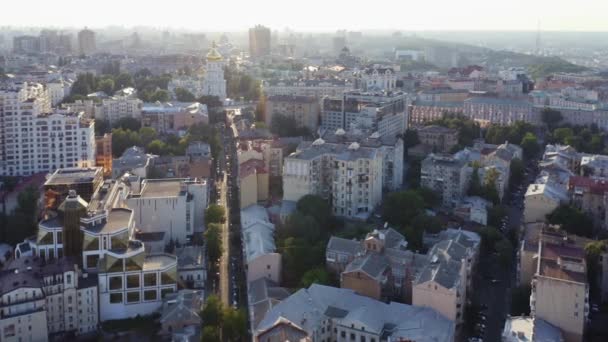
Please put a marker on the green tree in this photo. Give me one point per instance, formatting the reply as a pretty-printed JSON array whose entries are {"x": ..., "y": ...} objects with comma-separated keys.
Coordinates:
[
  {"x": 128, "y": 123},
  {"x": 184, "y": 95},
  {"x": 410, "y": 139},
  {"x": 551, "y": 117},
  {"x": 212, "y": 313},
  {"x": 210, "y": 101},
  {"x": 504, "y": 249},
  {"x": 234, "y": 325},
  {"x": 593, "y": 252},
  {"x": 496, "y": 214},
  {"x": 106, "y": 85},
  {"x": 317, "y": 275},
  {"x": 401, "y": 207},
  {"x": 316, "y": 207},
  {"x": 490, "y": 192},
  {"x": 475, "y": 188},
  {"x": 430, "y": 197},
  {"x": 210, "y": 334},
  {"x": 490, "y": 236},
  {"x": 156, "y": 147},
  {"x": 516, "y": 173},
  {"x": 529, "y": 145},
  {"x": 102, "y": 127},
  {"x": 572, "y": 220},
  {"x": 123, "y": 80},
  {"x": 215, "y": 214},
  {"x": 287, "y": 126},
  {"x": 303, "y": 226},
  {"x": 561, "y": 134},
  {"x": 147, "y": 135},
  {"x": 213, "y": 242}
]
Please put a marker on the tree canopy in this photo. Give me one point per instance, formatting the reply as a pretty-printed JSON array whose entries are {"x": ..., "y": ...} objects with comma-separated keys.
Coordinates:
[
  {"x": 184, "y": 95},
  {"x": 572, "y": 220},
  {"x": 286, "y": 126},
  {"x": 215, "y": 214},
  {"x": 213, "y": 242}
]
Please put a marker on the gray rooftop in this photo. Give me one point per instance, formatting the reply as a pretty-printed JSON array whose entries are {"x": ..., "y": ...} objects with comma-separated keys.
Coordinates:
[
  {"x": 74, "y": 176},
  {"x": 372, "y": 264},
  {"x": 154, "y": 188},
  {"x": 311, "y": 150},
  {"x": 118, "y": 219},
  {"x": 341, "y": 245}
]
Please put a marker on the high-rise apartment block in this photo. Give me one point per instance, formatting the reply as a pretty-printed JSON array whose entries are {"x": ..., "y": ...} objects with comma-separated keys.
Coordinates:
[
  {"x": 86, "y": 42},
  {"x": 259, "y": 41},
  {"x": 38, "y": 139}
]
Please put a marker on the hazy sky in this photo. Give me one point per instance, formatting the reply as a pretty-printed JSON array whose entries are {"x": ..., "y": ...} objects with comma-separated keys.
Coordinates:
[{"x": 312, "y": 15}]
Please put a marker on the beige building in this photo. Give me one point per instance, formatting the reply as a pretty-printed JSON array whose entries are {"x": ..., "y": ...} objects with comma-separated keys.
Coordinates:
[
  {"x": 350, "y": 176},
  {"x": 441, "y": 139},
  {"x": 253, "y": 182},
  {"x": 560, "y": 293},
  {"x": 120, "y": 106},
  {"x": 542, "y": 199},
  {"x": 421, "y": 112},
  {"x": 304, "y": 109}
]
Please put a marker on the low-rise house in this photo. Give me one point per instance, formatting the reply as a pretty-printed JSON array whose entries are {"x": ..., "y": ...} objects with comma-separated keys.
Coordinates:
[
  {"x": 262, "y": 295},
  {"x": 259, "y": 249},
  {"x": 541, "y": 199},
  {"x": 191, "y": 267},
  {"x": 473, "y": 209},
  {"x": 588, "y": 194},
  {"x": 180, "y": 311},
  {"x": 327, "y": 313},
  {"x": 530, "y": 329},
  {"x": 133, "y": 160}
]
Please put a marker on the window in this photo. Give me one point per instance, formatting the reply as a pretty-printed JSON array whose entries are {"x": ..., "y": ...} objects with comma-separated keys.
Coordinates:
[
  {"x": 116, "y": 283},
  {"x": 116, "y": 297},
  {"x": 150, "y": 295},
  {"x": 166, "y": 291},
  {"x": 132, "y": 281},
  {"x": 343, "y": 334},
  {"x": 133, "y": 297},
  {"x": 149, "y": 279},
  {"x": 352, "y": 336}
]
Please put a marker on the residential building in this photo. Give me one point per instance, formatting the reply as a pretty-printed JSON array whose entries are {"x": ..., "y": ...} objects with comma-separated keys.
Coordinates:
[
  {"x": 376, "y": 111},
  {"x": 85, "y": 181},
  {"x": 560, "y": 293},
  {"x": 473, "y": 209},
  {"x": 443, "y": 95},
  {"x": 530, "y": 329},
  {"x": 103, "y": 153},
  {"x": 180, "y": 311},
  {"x": 588, "y": 195},
  {"x": 441, "y": 139},
  {"x": 321, "y": 312},
  {"x": 349, "y": 176},
  {"x": 124, "y": 104},
  {"x": 40, "y": 298},
  {"x": 305, "y": 110},
  {"x": 253, "y": 182},
  {"x": 375, "y": 78},
  {"x": 86, "y": 42},
  {"x": 191, "y": 266},
  {"x": 58, "y": 90},
  {"x": 173, "y": 117},
  {"x": 541, "y": 199},
  {"x": 26, "y": 44},
  {"x": 262, "y": 295},
  {"x": 134, "y": 161},
  {"x": 594, "y": 165},
  {"x": 390, "y": 147},
  {"x": 173, "y": 205},
  {"x": 56, "y": 139},
  {"x": 445, "y": 280},
  {"x": 261, "y": 258},
  {"x": 315, "y": 88},
  {"x": 501, "y": 111},
  {"x": 446, "y": 175},
  {"x": 194, "y": 84},
  {"x": 259, "y": 41},
  {"x": 421, "y": 112}
]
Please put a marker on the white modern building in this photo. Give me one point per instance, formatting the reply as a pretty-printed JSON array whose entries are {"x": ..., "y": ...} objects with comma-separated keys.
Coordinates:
[
  {"x": 124, "y": 104},
  {"x": 173, "y": 206},
  {"x": 36, "y": 139}
]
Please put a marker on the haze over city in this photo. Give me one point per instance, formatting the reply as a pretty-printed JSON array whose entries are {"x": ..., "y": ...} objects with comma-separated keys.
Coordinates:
[{"x": 314, "y": 15}]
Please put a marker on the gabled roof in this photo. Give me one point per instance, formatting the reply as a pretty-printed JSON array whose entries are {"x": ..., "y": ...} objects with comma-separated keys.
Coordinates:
[
  {"x": 372, "y": 264},
  {"x": 341, "y": 245}
]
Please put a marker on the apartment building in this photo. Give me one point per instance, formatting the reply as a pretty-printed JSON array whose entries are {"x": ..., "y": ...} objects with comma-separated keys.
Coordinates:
[
  {"x": 253, "y": 182},
  {"x": 40, "y": 298},
  {"x": 133, "y": 160},
  {"x": 440, "y": 139},
  {"x": 304, "y": 109},
  {"x": 443, "y": 95},
  {"x": 103, "y": 153},
  {"x": 36, "y": 139},
  {"x": 560, "y": 292},
  {"x": 124, "y": 104},
  {"x": 313, "y": 88},
  {"x": 85, "y": 181},
  {"x": 323, "y": 313},
  {"x": 173, "y": 117},
  {"x": 384, "y": 112},
  {"x": 174, "y": 206},
  {"x": 446, "y": 175},
  {"x": 541, "y": 199},
  {"x": 421, "y": 111},
  {"x": 350, "y": 176},
  {"x": 390, "y": 147},
  {"x": 375, "y": 77},
  {"x": 502, "y": 111},
  {"x": 588, "y": 194},
  {"x": 259, "y": 41}
]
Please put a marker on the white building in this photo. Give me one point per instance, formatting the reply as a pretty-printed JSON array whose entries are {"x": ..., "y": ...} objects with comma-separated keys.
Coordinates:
[
  {"x": 36, "y": 139},
  {"x": 46, "y": 297},
  {"x": 215, "y": 84},
  {"x": 58, "y": 90},
  {"x": 262, "y": 260},
  {"x": 124, "y": 104},
  {"x": 376, "y": 78},
  {"x": 174, "y": 206},
  {"x": 530, "y": 329}
]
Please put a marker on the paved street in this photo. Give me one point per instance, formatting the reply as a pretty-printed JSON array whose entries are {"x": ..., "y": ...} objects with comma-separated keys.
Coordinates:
[{"x": 225, "y": 259}]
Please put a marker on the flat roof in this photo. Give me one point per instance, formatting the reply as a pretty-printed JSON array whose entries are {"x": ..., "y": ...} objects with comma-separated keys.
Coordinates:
[
  {"x": 118, "y": 219},
  {"x": 73, "y": 176},
  {"x": 159, "y": 261},
  {"x": 161, "y": 188}
]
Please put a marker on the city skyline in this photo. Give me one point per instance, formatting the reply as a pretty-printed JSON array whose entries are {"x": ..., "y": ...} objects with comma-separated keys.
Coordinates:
[{"x": 320, "y": 16}]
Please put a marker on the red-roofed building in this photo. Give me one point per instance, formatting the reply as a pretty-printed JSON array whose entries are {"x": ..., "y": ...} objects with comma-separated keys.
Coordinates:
[{"x": 591, "y": 196}]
